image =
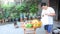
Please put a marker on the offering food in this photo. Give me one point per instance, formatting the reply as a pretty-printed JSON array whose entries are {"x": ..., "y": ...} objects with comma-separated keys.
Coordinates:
[
  {"x": 28, "y": 25},
  {"x": 36, "y": 23}
]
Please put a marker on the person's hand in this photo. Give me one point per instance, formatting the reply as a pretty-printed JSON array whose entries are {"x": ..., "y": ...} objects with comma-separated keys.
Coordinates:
[
  {"x": 42, "y": 15},
  {"x": 46, "y": 14}
]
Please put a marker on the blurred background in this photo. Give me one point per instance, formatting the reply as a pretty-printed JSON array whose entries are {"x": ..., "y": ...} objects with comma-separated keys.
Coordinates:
[
  {"x": 10, "y": 10},
  {"x": 22, "y": 10}
]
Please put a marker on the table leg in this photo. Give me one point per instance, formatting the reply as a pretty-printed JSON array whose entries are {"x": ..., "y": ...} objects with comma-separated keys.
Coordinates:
[
  {"x": 29, "y": 33},
  {"x": 34, "y": 31},
  {"x": 24, "y": 31}
]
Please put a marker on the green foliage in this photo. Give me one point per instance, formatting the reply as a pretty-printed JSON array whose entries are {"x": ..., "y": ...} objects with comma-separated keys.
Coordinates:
[
  {"x": 1, "y": 16},
  {"x": 33, "y": 8},
  {"x": 26, "y": 7},
  {"x": 7, "y": 9},
  {"x": 20, "y": 8}
]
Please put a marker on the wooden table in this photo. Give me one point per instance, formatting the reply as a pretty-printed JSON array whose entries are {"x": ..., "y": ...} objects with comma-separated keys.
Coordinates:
[{"x": 31, "y": 29}]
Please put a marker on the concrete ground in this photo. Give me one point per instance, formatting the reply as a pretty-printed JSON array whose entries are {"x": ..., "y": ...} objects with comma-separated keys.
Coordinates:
[{"x": 10, "y": 29}]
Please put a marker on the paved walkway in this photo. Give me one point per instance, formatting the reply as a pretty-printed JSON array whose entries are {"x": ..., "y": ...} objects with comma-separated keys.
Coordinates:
[{"x": 9, "y": 29}]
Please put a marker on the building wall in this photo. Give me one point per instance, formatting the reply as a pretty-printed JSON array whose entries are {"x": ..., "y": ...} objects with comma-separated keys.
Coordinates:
[
  {"x": 54, "y": 4},
  {"x": 46, "y": 1}
]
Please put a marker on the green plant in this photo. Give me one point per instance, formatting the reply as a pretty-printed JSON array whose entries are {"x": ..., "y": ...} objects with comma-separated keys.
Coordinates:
[
  {"x": 1, "y": 16},
  {"x": 25, "y": 7},
  {"x": 33, "y": 8},
  {"x": 21, "y": 8},
  {"x": 7, "y": 9}
]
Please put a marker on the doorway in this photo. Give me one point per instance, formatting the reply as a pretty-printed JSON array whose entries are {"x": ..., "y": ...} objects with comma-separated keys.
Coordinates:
[
  {"x": 59, "y": 10},
  {"x": 54, "y": 4}
]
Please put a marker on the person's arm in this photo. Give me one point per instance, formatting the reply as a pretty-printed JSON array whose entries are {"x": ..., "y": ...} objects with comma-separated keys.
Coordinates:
[
  {"x": 42, "y": 14},
  {"x": 52, "y": 12}
]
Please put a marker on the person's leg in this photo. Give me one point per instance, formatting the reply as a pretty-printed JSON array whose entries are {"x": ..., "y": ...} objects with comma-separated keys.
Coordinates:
[
  {"x": 48, "y": 29},
  {"x": 46, "y": 32}
]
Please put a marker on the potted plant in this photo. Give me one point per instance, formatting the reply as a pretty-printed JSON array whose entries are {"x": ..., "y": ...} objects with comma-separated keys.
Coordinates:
[
  {"x": 21, "y": 9},
  {"x": 1, "y": 18},
  {"x": 7, "y": 10}
]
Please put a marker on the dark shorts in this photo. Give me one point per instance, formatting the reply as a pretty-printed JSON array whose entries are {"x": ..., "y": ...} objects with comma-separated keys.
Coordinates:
[{"x": 48, "y": 28}]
